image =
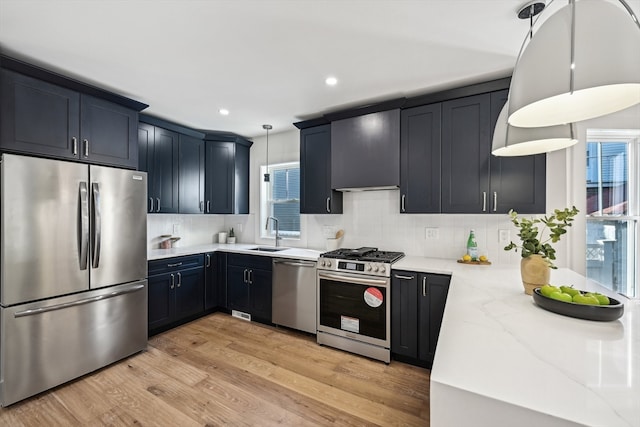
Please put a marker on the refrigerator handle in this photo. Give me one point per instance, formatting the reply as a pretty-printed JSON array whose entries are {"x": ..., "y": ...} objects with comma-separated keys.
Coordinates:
[
  {"x": 97, "y": 224},
  {"x": 84, "y": 225}
]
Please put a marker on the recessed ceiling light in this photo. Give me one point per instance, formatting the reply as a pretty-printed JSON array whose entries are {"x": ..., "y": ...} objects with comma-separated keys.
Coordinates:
[
  {"x": 224, "y": 111},
  {"x": 331, "y": 81}
]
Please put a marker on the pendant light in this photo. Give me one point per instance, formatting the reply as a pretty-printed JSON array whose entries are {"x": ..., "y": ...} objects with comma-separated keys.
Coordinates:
[
  {"x": 514, "y": 141},
  {"x": 267, "y": 177},
  {"x": 582, "y": 63}
]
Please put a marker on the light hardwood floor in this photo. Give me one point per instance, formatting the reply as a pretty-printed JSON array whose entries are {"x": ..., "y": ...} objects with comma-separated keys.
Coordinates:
[{"x": 219, "y": 370}]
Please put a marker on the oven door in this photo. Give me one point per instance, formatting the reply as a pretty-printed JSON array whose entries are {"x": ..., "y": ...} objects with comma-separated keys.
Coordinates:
[{"x": 354, "y": 306}]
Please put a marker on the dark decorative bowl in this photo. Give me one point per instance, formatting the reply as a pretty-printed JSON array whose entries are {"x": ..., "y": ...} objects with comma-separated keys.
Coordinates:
[{"x": 603, "y": 313}]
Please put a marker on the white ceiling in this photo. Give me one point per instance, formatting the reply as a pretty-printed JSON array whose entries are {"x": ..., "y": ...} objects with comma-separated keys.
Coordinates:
[{"x": 266, "y": 60}]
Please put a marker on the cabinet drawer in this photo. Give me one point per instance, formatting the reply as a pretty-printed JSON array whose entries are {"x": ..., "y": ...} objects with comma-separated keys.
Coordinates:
[
  {"x": 177, "y": 263},
  {"x": 250, "y": 261}
]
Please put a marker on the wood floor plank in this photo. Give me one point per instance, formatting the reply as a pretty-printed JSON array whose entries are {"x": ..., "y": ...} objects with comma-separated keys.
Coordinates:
[{"x": 219, "y": 370}]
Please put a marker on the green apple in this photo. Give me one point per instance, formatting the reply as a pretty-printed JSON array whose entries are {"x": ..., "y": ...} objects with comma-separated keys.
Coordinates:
[
  {"x": 602, "y": 299},
  {"x": 585, "y": 299},
  {"x": 561, "y": 296},
  {"x": 569, "y": 290},
  {"x": 547, "y": 290}
]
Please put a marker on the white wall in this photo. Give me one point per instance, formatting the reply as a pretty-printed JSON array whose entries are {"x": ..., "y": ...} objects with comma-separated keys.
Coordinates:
[{"x": 372, "y": 219}]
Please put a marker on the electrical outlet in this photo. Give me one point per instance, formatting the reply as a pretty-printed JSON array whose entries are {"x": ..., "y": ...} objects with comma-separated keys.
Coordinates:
[
  {"x": 431, "y": 233},
  {"x": 239, "y": 227},
  {"x": 176, "y": 229},
  {"x": 504, "y": 237}
]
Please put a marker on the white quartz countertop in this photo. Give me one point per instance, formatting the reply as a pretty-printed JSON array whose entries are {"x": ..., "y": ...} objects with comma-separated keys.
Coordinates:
[
  {"x": 241, "y": 248},
  {"x": 503, "y": 361}
]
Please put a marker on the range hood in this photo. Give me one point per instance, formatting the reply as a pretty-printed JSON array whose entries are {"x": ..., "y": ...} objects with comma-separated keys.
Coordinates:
[{"x": 365, "y": 152}]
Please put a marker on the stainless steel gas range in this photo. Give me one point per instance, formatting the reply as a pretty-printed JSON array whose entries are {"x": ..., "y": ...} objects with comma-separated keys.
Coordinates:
[{"x": 354, "y": 301}]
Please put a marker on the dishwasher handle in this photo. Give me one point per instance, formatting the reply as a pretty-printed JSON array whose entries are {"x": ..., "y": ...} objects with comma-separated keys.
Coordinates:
[{"x": 295, "y": 263}]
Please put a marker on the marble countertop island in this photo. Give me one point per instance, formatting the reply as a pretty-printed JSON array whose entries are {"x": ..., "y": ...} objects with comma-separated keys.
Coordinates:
[{"x": 503, "y": 361}]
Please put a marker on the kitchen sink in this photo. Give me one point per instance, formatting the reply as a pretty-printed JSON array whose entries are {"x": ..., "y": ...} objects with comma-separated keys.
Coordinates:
[{"x": 267, "y": 249}]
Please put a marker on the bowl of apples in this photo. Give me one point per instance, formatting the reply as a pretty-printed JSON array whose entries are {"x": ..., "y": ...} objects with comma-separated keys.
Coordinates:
[{"x": 572, "y": 302}]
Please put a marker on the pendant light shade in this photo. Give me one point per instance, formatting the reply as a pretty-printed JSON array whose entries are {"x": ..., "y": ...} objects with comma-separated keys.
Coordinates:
[
  {"x": 267, "y": 176},
  {"x": 514, "y": 141},
  {"x": 583, "y": 62}
]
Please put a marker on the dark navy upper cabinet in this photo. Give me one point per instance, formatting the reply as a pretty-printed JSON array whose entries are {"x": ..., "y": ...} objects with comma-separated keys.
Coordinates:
[
  {"x": 159, "y": 157},
  {"x": 517, "y": 183},
  {"x": 226, "y": 177},
  {"x": 191, "y": 175},
  {"x": 420, "y": 145},
  {"x": 466, "y": 147},
  {"x": 316, "y": 195},
  {"x": 473, "y": 180},
  {"x": 43, "y": 118}
]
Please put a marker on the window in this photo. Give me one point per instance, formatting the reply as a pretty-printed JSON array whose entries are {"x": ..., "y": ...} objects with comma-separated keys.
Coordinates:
[
  {"x": 280, "y": 198},
  {"x": 613, "y": 176}
]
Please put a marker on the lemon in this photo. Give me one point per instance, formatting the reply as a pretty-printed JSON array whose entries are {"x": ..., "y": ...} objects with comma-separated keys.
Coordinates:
[
  {"x": 466, "y": 258},
  {"x": 483, "y": 258}
]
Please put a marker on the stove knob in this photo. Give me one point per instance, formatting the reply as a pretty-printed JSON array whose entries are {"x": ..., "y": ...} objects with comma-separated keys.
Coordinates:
[
  {"x": 328, "y": 263},
  {"x": 382, "y": 269},
  {"x": 368, "y": 267},
  {"x": 322, "y": 263},
  {"x": 375, "y": 268}
]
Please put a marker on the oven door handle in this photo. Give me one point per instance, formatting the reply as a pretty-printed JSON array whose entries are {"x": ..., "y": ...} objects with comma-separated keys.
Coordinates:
[{"x": 351, "y": 279}]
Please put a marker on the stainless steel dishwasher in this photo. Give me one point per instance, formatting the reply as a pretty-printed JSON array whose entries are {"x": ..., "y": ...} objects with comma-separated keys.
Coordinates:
[{"x": 294, "y": 294}]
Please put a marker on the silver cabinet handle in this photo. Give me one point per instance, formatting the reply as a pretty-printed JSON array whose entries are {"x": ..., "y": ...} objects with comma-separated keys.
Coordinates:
[
  {"x": 294, "y": 263},
  {"x": 495, "y": 201},
  {"x": 177, "y": 264},
  {"x": 173, "y": 281},
  {"x": 402, "y": 209},
  {"x": 424, "y": 286},
  {"x": 150, "y": 204},
  {"x": 208, "y": 206},
  {"x": 398, "y": 276},
  {"x": 74, "y": 142},
  {"x": 244, "y": 276},
  {"x": 86, "y": 147},
  {"x": 179, "y": 279},
  {"x": 97, "y": 224},
  {"x": 75, "y": 303},
  {"x": 158, "y": 200},
  {"x": 84, "y": 226},
  {"x": 328, "y": 204},
  {"x": 208, "y": 261},
  {"x": 484, "y": 201},
  {"x": 250, "y": 275},
  {"x": 201, "y": 206}
]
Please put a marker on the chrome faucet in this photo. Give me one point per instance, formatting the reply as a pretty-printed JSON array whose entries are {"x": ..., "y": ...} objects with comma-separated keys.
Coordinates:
[{"x": 275, "y": 221}]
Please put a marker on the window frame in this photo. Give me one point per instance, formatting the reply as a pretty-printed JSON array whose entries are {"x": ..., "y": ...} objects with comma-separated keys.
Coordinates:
[{"x": 267, "y": 231}]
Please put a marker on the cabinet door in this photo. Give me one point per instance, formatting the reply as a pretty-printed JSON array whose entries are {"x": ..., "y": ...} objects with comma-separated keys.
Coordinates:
[
  {"x": 260, "y": 294},
  {"x": 316, "y": 196},
  {"x": 432, "y": 297},
  {"x": 241, "y": 180},
  {"x": 108, "y": 133},
  {"x": 404, "y": 314},
  {"x": 189, "y": 291},
  {"x": 517, "y": 183},
  {"x": 238, "y": 288},
  {"x": 420, "y": 159},
  {"x": 191, "y": 175},
  {"x": 465, "y": 154},
  {"x": 219, "y": 176},
  {"x": 165, "y": 170},
  {"x": 210, "y": 281},
  {"x": 145, "y": 160},
  {"x": 38, "y": 117},
  {"x": 161, "y": 300}
]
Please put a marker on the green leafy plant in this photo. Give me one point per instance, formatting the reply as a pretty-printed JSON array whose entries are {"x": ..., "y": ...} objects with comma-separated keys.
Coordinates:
[
  {"x": 231, "y": 234},
  {"x": 531, "y": 236}
]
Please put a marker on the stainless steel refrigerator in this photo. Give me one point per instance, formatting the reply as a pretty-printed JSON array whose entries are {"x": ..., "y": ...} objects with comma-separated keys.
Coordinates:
[{"x": 73, "y": 294}]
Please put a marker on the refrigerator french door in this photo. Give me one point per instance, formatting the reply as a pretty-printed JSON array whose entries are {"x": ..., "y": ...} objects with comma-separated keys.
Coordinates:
[{"x": 73, "y": 292}]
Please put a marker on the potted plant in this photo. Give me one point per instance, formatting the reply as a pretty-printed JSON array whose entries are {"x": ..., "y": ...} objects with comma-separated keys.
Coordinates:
[
  {"x": 231, "y": 238},
  {"x": 536, "y": 250}
]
